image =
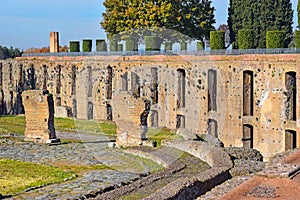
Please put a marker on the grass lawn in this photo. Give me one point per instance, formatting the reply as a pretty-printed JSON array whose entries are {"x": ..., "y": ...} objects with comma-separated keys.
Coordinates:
[
  {"x": 12, "y": 124},
  {"x": 16, "y": 124},
  {"x": 16, "y": 176},
  {"x": 161, "y": 134}
]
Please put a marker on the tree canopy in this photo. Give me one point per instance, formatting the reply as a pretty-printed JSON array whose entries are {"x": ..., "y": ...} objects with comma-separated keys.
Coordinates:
[
  {"x": 260, "y": 16},
  {"x": 298, "y": 13},
  {"x": 11, "y": 52},
  {"x": 193, "y": 18}
]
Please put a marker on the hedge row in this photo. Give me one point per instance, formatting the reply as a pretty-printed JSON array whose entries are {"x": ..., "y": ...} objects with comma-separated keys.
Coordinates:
[
  {"x": 217, "y": 40},
  {"x": 101, "y": 45},
  {"x": 246, "y": 39},
  {"x": 152, "y": 43},
  {"x": 87, "y": 45},
  {"x": 297, "y": 39},
  {"x": 74, "y": 46},
  {"x": 275, "y": 39}
]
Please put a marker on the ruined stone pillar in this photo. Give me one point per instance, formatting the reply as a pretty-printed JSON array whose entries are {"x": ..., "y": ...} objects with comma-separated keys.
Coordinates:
[
  {"x": 127, "y": 113},
  {"x": 39, "y": 115},
  {"x": 54, "y": 42}
]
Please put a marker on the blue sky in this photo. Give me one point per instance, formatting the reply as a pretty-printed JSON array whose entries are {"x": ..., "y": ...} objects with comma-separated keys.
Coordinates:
[{"x": 28, "y": 23}]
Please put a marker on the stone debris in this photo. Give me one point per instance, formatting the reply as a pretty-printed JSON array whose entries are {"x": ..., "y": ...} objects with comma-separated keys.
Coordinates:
[{"x": 262, "y": 192}]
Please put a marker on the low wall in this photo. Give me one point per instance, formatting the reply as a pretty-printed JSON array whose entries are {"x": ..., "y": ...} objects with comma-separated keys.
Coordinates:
[
  {"x": 214, "y": 156},
  {"x": 191, "y": 188}
]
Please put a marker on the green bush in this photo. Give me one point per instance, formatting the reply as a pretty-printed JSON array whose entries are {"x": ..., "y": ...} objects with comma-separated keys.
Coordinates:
[
  {"x": 87, "y": 45},
  {"x": 168, "y": 46},
  {"x": 246, "y": 39},
  {"x": 217, "y": 40},
  {"x": 275, "y": 39},
  {"x": 74, "y": 46},
  {"x": 131, "y": 45},
  {"x": 297, "y": 39},
  {"x": 113, "y": 45},
  {"x": 152, "y": 43},
  {"x": 120, "y": 47},
  {"x": 183, "y": 46},
  {"x": 200, "y": 45},
  {"x": 101, "y": 45}
]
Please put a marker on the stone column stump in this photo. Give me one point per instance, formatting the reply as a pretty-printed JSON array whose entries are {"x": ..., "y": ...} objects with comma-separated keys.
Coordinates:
[
  {"x": 39, "y": 115},
  {"x": 127, "y": 111}
]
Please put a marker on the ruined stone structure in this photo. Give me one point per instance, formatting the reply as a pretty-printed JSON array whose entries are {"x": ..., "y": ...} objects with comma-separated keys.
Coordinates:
[
  {"x": 244, "y": 100},
  {"x": 54, "y": 42},
  {"x": 39, "y": 107},
  {"x": 129, "y": 132}
]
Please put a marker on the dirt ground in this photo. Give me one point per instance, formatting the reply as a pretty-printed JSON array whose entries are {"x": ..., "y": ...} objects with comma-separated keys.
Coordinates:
[{"x": 260, "y": 187}]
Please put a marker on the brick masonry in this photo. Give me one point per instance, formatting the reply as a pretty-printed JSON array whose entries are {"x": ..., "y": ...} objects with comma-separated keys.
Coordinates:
[
  {"x": 39, "y": 117},
  {"x": 205, "y": 94}
]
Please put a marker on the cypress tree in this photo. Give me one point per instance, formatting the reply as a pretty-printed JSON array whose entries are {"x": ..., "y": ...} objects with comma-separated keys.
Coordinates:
[{"x": 260, "y": 16}]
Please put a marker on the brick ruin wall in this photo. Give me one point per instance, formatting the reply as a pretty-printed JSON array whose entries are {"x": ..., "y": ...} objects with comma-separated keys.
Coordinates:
[{"x": 244, "y": 100}]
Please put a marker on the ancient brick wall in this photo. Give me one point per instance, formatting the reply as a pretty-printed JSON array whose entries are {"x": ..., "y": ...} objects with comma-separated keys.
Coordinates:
[{"x": 244, "y": 100}]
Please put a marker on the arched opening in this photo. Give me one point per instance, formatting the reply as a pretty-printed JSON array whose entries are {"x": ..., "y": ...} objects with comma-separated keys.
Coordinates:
[
  {"x": 10, "y": 73},
  {"x": 181, "y": 75},
  {"x": 89, "y": 81},
  {"x": 135, "y": 84},
  {"x": 109, "y": 82},
  {"x": 180, "y": 121},
  {"x": 247, "y": 136},
  {"x": 58, "y": 101},
  {"x": 291, "y": 103},
  {"x": 154, "y": 118},
  {"x": 212, "y": 90},
  {"x": 124, "y": 83},
  {"x": 248, "y": 93},
  {"x": 109, "y": 112},
  {"x": 44, "y": 77},
  {"x": 213, "y": 127},
  {"x": 58, "y": 80},
  {"x": 74, "y": 107},
  {"x": 73, "y": 80},
  {"x": 154, "y": 85},
  {"x": 90, "y": 111},
  {"x": 290, "y": 139}
]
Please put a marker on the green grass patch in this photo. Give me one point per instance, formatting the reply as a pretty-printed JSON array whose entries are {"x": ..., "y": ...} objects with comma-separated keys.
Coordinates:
[
  {"x": 162, "y": 134},
  {"x": 16, "y": 176},
  {"x": 68, "y": 124},
  {"x": 135, "y": 196},
  {"x": 109, "y": 128},
  {"x": 12, "y": 124},
  {"x": 16, "y": 125}
]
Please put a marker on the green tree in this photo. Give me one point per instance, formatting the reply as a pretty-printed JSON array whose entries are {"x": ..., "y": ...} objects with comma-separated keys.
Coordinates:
[
  {"x": 193, "y": 18},
  {"x": 298, "y": 13},
  {"x": 260, "y": 16},
  {"x": 11, "y": 52}
]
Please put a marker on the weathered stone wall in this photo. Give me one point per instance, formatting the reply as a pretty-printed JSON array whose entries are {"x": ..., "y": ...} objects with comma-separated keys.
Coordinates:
[{"x": 205, "y": 94}]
